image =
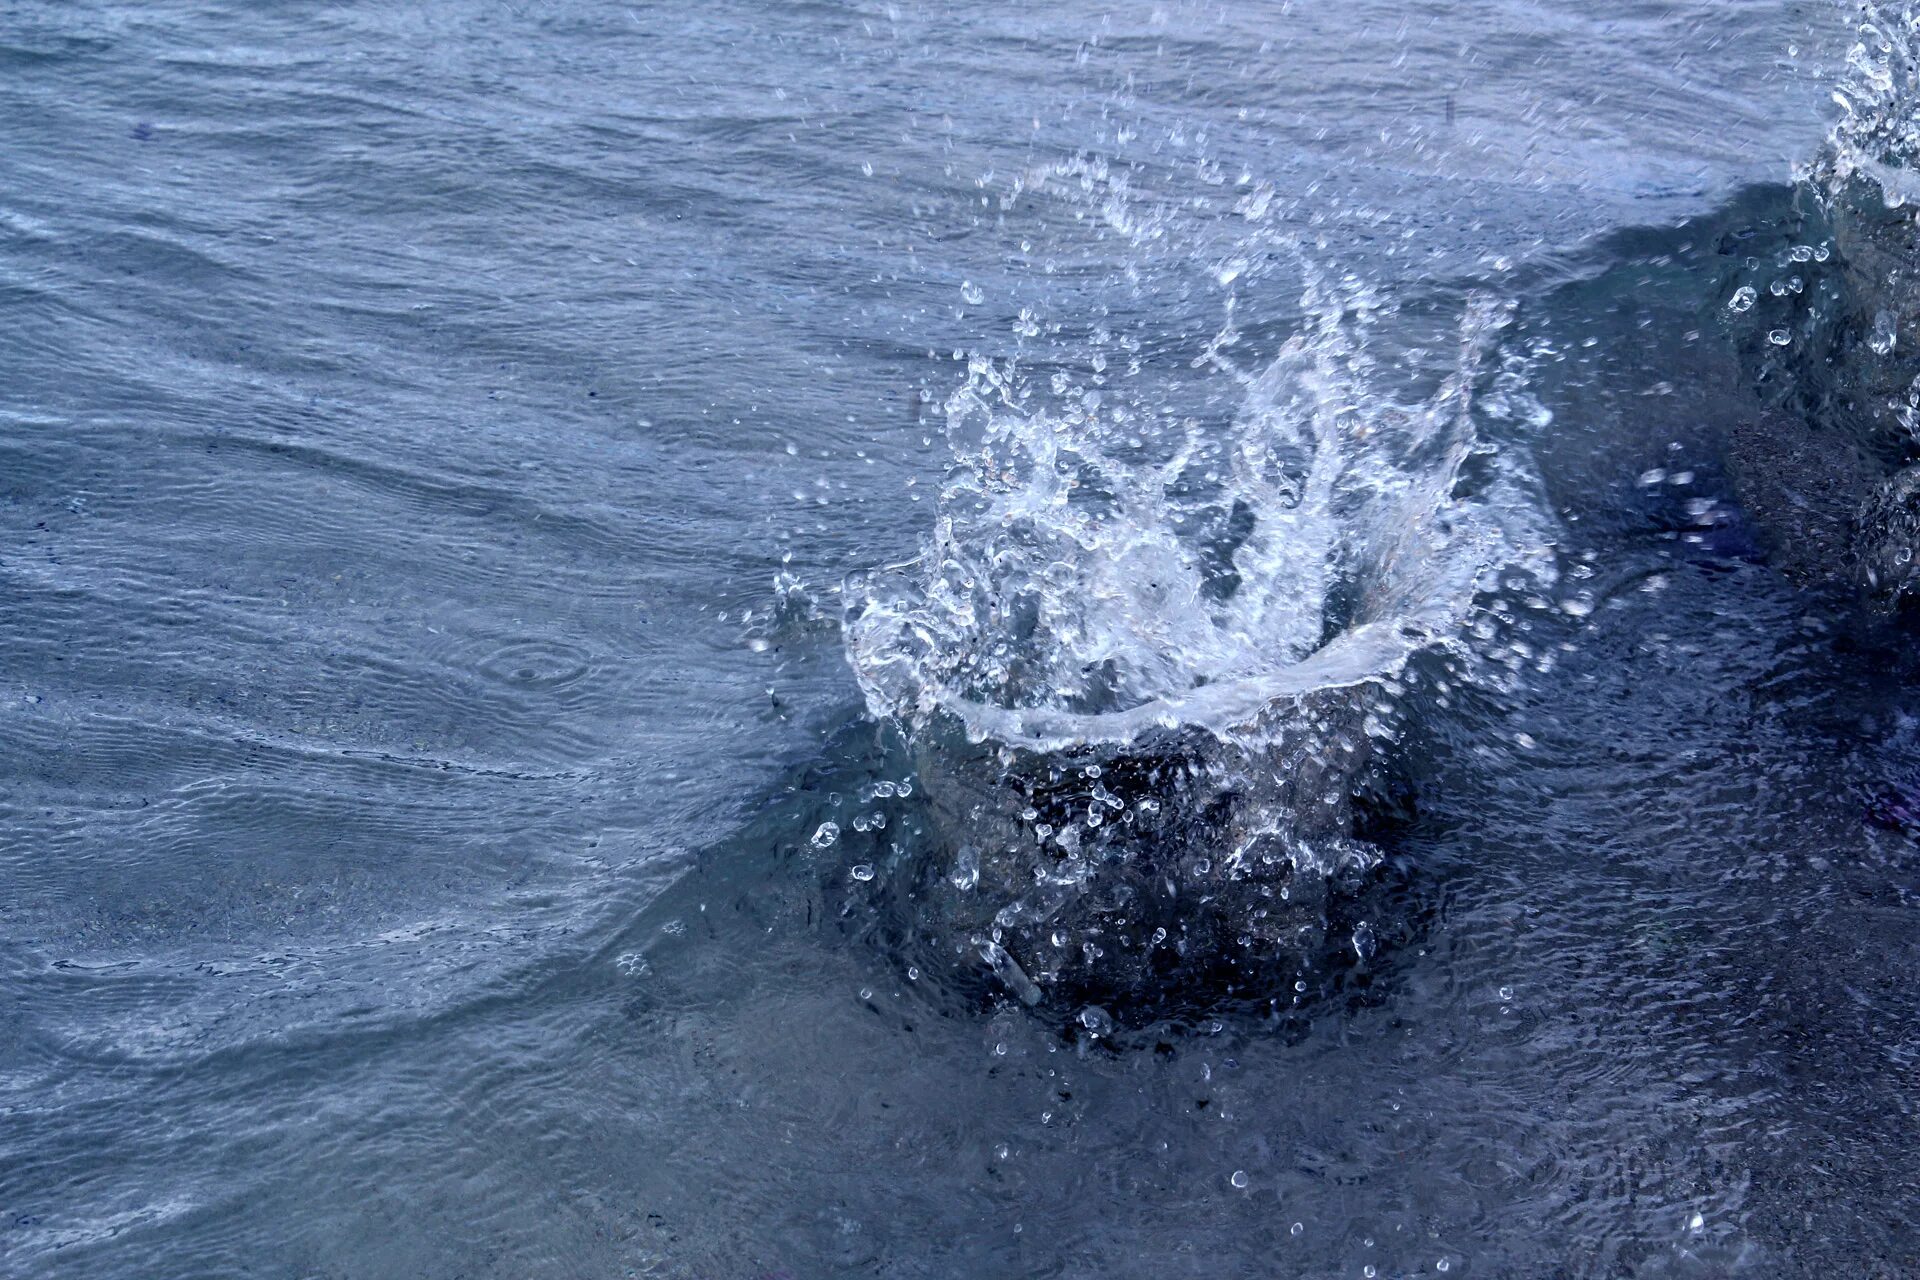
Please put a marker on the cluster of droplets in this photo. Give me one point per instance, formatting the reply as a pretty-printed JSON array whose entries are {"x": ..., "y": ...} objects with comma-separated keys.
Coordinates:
[
  {"x": 870, "y": 818},
  {"x": 1788, "y": 279}
]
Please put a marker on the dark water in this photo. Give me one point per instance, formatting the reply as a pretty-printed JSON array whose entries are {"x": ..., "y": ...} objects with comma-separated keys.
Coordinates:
[{"x": 405, "y": 797}]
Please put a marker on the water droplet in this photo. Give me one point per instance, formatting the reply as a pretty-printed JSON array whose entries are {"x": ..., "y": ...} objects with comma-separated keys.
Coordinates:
[
  {"x": 1779, "y": 337},
  {"x": 1884, "y": 334},
  {"x": 1443, "y": 1265},
  {"x": 1239, "y": 1178},
  {"x": 1743, "y": 299},
  {"x": 972, "y": 293},
  {"x": 1297, "y": 1228},
  {"x": 825, "y": 835},
  {"x": 1506, "y": 993},
  {"x": 863, "y": 871},
  {"x": 1096, "y": 1020}
]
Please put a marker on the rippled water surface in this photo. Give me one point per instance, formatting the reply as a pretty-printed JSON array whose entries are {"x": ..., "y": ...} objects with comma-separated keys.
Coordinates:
[{"x": 537, "y": 539}]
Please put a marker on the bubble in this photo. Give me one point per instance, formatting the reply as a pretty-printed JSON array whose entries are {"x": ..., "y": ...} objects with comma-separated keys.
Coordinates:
[
  {"x": 1239, "y": 1179},
  {"x": 972, "y": 293},
  {"x": 863, "y": 871},
  {"x": 825, "y": 835},
  {"x": 1779, "y": 337},
  {"x": 1743, "y": 299}
]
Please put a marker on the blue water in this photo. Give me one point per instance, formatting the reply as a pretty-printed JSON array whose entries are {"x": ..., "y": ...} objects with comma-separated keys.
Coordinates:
[{"x": 408, "y": 762}]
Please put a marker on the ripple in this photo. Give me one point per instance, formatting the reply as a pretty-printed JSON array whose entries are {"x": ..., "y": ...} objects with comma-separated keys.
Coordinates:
[{"x": 537, "y": 663}]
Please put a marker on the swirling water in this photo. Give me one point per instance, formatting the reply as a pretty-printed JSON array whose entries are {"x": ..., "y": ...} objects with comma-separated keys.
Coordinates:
[{"x": 432, "y": 848}]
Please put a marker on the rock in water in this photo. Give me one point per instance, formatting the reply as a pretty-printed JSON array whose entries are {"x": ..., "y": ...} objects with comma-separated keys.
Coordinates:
[{"x": 1181, "y": 872}]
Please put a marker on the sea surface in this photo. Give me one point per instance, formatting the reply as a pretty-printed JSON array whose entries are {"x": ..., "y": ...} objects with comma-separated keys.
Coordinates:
[{"x": 435, "y": 439}]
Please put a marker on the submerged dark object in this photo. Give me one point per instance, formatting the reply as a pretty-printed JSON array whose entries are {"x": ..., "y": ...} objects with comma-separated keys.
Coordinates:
[
  {"x": 1897, "y": 809},
  {"x": 1827, "y": 468},
  {"x": 1887, "y": 538},
  {"x": 1182, "y": 875}
]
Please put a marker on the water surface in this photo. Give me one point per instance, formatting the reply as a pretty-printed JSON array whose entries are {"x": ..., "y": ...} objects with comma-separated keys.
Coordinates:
[{"x": 409, "y": 767}]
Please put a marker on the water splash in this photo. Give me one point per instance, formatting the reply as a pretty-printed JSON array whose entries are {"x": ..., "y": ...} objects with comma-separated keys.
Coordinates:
[
  {"x": 1877, "y": 138},
  {"x": 1166, "y": 615},
  {"x": 1099, "y": 570},
  {"x": 1148, "y": 653},
  {"x": 1867, "y": 182}
]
